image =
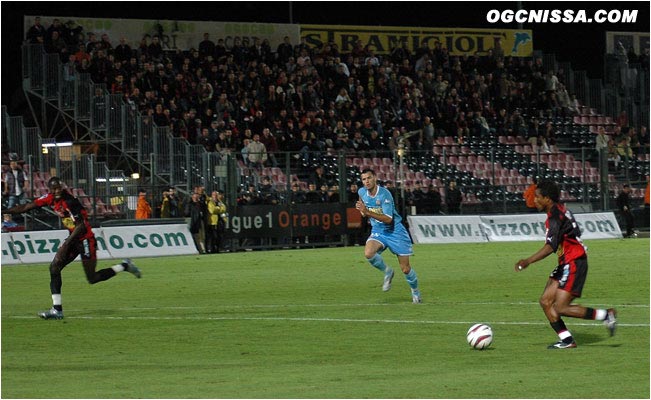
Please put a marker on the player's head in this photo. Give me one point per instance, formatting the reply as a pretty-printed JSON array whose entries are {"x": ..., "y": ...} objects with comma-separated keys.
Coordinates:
[
  {"x": 55, "y": 187},
  {"x": 369, "y": 179},
  {"x": 547, "y": 193}
]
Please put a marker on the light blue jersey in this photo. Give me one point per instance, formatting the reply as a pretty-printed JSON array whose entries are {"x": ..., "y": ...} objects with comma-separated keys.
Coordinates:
[{"x": 392, "y": 235}]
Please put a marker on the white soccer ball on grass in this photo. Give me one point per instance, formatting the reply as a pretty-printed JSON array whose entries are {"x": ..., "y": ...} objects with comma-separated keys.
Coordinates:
[{"x": 480, "y": 336}]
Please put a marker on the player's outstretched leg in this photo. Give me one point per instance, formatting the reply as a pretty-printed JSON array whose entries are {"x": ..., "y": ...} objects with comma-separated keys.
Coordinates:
[
  {"x": 609, "y": 316},
  {"x": 130, "y": 267},
  {"x": 107, "y": 273},
  {"x": 611, "y": 321}
]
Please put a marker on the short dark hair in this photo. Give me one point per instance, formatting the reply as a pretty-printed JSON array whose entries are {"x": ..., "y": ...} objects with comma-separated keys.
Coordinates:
[
  {"x": 54, "y": 181},
  {"x": 549, "y": 189},
  {"x": 368, "y": 171}
]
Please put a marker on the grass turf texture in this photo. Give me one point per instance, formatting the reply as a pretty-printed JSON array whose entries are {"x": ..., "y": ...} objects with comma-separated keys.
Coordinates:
[{"x": 315, "y": 324}]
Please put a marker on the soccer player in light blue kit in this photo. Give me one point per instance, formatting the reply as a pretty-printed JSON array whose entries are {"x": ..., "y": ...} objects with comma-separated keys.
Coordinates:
[{"x": 387, "y": 231}]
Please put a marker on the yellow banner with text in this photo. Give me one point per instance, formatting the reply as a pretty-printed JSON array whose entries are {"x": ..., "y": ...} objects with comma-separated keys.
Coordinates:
[{"x": 458, "y": 41}]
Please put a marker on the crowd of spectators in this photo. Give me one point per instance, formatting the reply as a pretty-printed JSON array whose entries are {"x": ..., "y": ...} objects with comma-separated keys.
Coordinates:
[
  {"x": 329, "y": 95},
  {"x": 255, "y": 101}
]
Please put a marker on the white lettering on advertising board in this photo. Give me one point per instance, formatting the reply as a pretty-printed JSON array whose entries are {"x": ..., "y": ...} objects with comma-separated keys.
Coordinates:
[
  {"x": 114, "y": 242},
  {"x": 504, "y": 228}
]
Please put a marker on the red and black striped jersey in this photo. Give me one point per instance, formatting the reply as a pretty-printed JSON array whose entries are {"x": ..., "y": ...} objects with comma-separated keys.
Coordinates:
[
  {"x": 69, "y": 209},
  {"x": 563, "y": 234}
]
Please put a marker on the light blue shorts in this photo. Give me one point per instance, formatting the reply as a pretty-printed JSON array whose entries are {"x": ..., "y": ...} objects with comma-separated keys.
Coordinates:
[{"x": 397, "y": 241}]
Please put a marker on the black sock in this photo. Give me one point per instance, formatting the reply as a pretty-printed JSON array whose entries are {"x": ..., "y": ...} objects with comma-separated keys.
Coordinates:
[
  {"x": 55, "y": 282},
  {"x": 559, "y": 326},
  {"x": 104, "y": 274},
  {"x": 589, "y": 313},
  {"x": 55, "y": 287}
]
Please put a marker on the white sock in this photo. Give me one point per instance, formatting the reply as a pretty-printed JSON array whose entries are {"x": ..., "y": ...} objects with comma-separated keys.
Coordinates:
[
  {"x": 564, "y": 334},
  {"x": 600, "y": 314},
  {"x": 56, "y": 299},
  {"x": 118, "y": 268}
]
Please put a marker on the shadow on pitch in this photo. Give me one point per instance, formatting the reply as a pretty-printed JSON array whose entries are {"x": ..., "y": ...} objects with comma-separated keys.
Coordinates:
[{"x": 589, "y": 339}]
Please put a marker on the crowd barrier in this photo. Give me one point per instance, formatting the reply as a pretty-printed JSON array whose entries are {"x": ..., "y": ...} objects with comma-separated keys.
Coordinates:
[
  {"x": 112, "y": 242},
  {"x": 175, "y": 239},
  {"x": 434, "y": 229}
]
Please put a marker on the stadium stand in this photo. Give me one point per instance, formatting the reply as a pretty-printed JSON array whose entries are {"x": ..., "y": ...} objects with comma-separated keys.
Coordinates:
[{"x": 173, "y": 104}]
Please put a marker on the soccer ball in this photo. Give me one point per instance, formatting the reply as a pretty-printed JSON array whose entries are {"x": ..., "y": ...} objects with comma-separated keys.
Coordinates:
[{"x": 480, "y": 336}]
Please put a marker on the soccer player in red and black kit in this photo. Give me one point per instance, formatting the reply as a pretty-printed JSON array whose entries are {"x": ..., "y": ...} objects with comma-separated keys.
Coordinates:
[
  {"x": 81, "y": 241},
  {"x": 565, "y": 283}
]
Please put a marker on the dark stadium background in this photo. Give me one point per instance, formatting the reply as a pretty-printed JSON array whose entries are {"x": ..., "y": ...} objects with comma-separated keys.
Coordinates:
[{"x": 582, "y": 44}]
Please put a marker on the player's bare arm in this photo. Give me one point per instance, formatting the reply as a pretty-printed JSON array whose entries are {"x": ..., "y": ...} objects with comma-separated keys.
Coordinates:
[
  {"x": 537, "y": 256},
  {"x": 21, "y": 208}
]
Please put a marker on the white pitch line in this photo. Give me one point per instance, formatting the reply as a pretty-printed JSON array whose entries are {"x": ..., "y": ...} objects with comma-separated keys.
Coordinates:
[
  {"x": 435, "y": 303},
  {"x": 301, "y": 319}
]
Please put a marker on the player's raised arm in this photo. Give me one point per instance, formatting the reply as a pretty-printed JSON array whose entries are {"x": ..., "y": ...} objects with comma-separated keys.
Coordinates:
[{"x": 21, "y": 208}]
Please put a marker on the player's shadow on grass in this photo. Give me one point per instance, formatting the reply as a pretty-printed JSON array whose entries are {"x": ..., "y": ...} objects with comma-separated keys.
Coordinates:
[{"x": 590, "y": 339}]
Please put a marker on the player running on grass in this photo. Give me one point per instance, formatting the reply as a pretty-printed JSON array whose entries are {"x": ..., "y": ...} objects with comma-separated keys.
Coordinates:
[
  {"x": 566, "y": 281},
  {"x": 387, "y": 231},
  {"x": 81, "y": 241}
]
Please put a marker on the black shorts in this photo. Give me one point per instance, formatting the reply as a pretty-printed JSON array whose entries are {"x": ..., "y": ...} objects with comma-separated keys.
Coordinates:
[
  {"x": 86, "y": 248},
  {"x": 571, "y": 276}
]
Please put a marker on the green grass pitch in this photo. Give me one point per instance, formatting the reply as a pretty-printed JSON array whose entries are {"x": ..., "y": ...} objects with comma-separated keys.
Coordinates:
[{"x": 316, "y": 324}]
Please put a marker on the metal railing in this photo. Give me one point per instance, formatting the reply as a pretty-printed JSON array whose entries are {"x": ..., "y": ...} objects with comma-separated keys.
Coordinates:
[{"x": 623, "y": 88}]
